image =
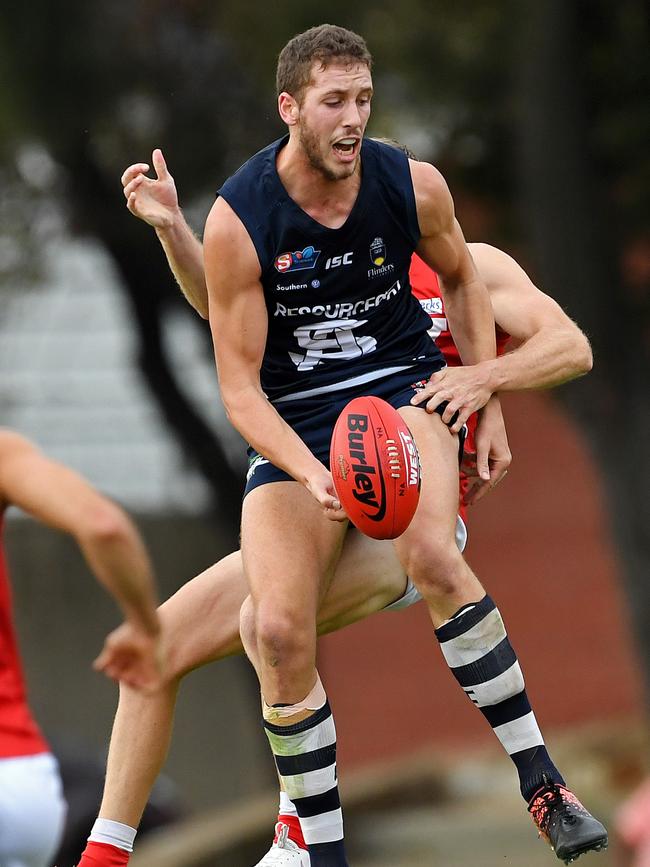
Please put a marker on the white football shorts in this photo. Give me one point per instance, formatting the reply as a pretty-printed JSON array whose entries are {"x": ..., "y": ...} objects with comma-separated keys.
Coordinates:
[{"x": 32, "y": 810}]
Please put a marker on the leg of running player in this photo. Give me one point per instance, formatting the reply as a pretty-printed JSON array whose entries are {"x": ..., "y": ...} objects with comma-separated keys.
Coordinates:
[
  {"x": 473, "y": 639},
  {"x": 467, "y": 623},
  {"x": 368, "y": 577},
  {"x": 143, "y": 723},
  {"x": 289, "y": 551}
]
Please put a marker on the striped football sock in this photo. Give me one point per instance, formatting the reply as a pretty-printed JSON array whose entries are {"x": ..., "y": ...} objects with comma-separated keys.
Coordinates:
[
  {"x": 477, "y": 650},
  {"x": 288, "y": 815},
  {"x": 305, "y": 756}
]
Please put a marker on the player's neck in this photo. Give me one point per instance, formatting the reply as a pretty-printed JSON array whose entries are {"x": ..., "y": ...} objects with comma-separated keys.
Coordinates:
[{"x": 325, "y": 200}]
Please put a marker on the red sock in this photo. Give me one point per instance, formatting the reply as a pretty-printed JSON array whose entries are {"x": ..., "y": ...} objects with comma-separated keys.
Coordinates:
[
  {"x": 295, "y": 831},
  {"x": 103, "y": 855}
]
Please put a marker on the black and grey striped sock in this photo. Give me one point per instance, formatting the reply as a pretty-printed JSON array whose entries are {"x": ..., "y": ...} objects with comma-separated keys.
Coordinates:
[
  {"x": 477, "y": 650},
  {"x": 305, "y": 756}
]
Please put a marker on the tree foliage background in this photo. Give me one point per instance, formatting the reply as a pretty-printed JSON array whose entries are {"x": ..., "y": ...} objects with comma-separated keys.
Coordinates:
[{"x": 536, "y": 111}]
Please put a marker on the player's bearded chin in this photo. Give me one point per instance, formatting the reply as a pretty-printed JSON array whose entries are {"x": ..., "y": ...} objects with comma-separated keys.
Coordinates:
[{"x": 310, "y": 145}]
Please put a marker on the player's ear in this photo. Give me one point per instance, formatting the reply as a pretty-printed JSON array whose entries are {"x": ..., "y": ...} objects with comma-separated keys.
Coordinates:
[{"x": 288, "y": 108}]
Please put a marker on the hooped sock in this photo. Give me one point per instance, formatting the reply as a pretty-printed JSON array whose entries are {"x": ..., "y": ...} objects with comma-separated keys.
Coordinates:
[
  {"x": 305, "y": 757},
  {"x": 477, "y": 650}
]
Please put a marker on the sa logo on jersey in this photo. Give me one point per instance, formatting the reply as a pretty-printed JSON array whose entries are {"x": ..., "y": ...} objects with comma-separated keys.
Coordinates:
[
  {"x": 378, "y": 252},
  {"x": 299, "y": 260}
]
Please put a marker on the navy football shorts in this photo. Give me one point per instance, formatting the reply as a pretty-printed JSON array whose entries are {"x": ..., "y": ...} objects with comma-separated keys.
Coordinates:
[{"x": 313, "y": 419}]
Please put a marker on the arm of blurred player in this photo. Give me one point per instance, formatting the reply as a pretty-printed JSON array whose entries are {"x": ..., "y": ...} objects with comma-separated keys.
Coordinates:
[
  {"x": 239, "y": 323},
  {"x": 550, "y": 348},
  {"x": 155, "y": 200},
  {"x": 469, "y": 314},
  {"x": 110, "y": 543}
]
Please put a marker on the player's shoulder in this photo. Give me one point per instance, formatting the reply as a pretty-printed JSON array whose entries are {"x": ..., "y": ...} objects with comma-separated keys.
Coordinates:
[
  {"x": 498, "y": 268},
  {"x": 483, "y": 252},
  {"x": 433, "y": 199},
  {"x": 427, "y": 179}
]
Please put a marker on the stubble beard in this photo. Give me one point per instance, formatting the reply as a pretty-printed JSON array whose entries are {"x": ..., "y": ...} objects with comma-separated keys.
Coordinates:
[{"x": 309, "y": 144}]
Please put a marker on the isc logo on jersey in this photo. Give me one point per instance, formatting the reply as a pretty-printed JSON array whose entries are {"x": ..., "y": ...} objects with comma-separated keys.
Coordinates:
[
  {"x": 299, "y": 260},
  {"x": 337, "y": 261}
]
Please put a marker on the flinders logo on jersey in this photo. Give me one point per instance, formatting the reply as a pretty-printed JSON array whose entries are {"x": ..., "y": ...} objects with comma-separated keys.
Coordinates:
[
  {"x": 378, "y": 258},
  {"x": 378, "y": 252},
  {"x": 299, "y": 260}
]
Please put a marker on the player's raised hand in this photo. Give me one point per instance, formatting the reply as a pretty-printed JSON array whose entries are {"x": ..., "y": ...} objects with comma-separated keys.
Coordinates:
[
  {"x": 493, "y": 456},
  {"x": 133, "y": 656},
  {"x": 153, "y": 200},
  {"x": 465, "y": 389},
  {"x": 321, "y": 486}
]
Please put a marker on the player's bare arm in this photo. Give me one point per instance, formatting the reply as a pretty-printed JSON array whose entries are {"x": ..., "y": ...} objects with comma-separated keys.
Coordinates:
[
  {"x": 443, "y": 248},
  {"x": 469, "y": 313},
  {"x": 155, "y": 200},
  {"x": 547, "y": 347},
  {"x": 239, "y": 322},
  {"x": 110, "y": 543},
  {"x": 551, "y": 349}
]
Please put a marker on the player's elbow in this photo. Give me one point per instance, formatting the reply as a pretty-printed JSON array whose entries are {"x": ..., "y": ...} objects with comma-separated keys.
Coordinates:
[
  {"x": 236, "y": 399},
  {"x": 104, "y": 523},
  {"x": 583, "y": 357},
  {"x": 231, "y": 405}
]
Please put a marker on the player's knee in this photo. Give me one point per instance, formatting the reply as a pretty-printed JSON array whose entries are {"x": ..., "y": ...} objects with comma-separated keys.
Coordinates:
[
  {"x": 280, "y": 635},
  {"x": 247, "y": 629},
  {"x": 436, "y": 567}
]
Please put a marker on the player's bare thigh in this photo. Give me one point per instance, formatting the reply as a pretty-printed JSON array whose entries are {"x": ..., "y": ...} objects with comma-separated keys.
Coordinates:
[
  {"x": 289, "y": 547},
  {"x": 368, "y": 577},
  {"x": 289, "y": 550},
  {"x": 201, "y": 620},
  {"x": 427, "y": 549}
]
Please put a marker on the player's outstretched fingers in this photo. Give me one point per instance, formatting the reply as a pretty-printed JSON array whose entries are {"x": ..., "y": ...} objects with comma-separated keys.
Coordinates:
[
  {"x": 132, "y": 204},
  {"x": 159, "y": 164},
  {"x": 132, "y": 171},
  {"x": 133, "y": 185}
]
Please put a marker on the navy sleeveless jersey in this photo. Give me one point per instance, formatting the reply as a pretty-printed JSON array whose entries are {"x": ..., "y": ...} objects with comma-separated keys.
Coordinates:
[{"x": 339, "y": 301}]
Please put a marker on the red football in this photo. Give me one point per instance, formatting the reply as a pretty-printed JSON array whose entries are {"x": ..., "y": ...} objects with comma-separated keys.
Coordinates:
[{"x": 376, "y": 467}]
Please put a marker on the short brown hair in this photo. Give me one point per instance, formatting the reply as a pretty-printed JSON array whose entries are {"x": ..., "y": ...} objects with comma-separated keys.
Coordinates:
[
  {"x": 396, "y": 144},
  {"x": 327, "y": 43}
]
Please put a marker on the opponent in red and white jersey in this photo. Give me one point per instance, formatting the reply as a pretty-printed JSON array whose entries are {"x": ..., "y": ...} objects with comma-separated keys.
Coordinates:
[
  {"x": 19, "y": 734},
  {"x": 32, "y": 806},
  {"x": 426, "y": 288}
]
